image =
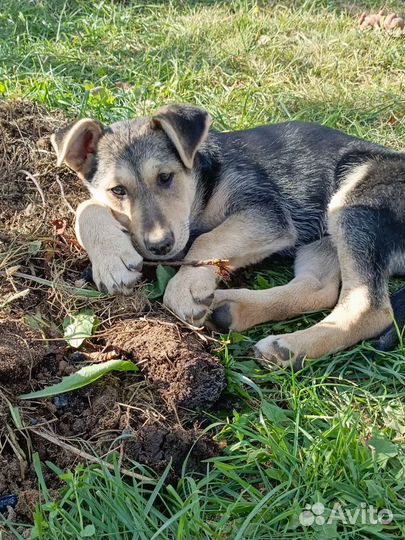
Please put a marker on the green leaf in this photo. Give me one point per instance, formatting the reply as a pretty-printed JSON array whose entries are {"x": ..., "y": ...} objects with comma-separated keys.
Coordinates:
[
  {"x": 16, "y": 416},
  {"x": 383, "y": 448},
  {"x": 83, "y": 377},
  {"x": 394, "y": 415},
  {"x": 262, "y": 283},
  {"x": 376, "y": 491},
  {"x": 36, "y": 321},
  {"x": 236, "y": 338},
  {"x": 274, "y": 413},
  {"x": 79, "y": 327},
  {"x": 88, "y": 531},
  {"x": 34, "y": 247},
  {"x": 326, "y": 531},
  {"x": 164, "y": 274}
]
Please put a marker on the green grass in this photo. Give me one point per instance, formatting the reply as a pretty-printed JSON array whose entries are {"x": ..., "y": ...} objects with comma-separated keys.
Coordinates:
[{"x": 333, "y": 433}]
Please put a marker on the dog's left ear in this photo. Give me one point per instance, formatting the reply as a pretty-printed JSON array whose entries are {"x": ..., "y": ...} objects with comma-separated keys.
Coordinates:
[{"x": 186, "y": 126}]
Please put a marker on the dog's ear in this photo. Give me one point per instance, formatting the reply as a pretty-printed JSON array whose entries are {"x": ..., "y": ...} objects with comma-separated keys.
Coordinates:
[
  {"x": 76, "y": 145},
  {"x": 186, "y": 126}
]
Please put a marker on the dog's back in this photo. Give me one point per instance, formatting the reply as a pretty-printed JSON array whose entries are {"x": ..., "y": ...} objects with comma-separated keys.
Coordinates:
[{"x": 291, "y": 166}]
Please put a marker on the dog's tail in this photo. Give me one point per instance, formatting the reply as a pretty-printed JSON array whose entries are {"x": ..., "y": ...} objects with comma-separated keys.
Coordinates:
[{"x": 390, "y": 338}]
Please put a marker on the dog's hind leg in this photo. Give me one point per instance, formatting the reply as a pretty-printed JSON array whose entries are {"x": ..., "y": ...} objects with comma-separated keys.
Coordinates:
[
  {"x": 314, "y": 287},
  {"x": 359, "y": 315},
  {"x": 369, "y": 235}
]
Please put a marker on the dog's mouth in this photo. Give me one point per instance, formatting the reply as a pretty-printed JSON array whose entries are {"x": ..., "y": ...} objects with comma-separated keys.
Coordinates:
[{"x": 172, "y": 256}]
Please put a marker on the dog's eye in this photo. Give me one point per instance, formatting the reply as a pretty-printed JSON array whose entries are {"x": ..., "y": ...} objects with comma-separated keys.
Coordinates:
[
  {"x": 119, "y": 191},
  {"x": 165, "y": 179}
]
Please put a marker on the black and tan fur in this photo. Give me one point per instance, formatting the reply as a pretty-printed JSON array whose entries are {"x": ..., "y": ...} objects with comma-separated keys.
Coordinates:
[{"x": 166, "y": 186}]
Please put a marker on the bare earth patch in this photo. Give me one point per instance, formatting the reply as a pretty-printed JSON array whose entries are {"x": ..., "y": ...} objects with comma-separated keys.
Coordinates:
[
  {"x": 21, "y": 351},
  {"x": 143, "y": 416}
]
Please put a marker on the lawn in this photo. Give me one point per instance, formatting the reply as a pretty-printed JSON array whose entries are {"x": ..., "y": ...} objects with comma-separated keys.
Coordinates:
[{"x": 332, "y": 434}]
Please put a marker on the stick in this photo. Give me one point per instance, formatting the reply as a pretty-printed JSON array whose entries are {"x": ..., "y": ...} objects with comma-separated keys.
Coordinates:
[
  {"x": 62, "y": 192},
  {"x": 36, "y": 183},
  {"x": 207, "y": 262},
  {"x": 85, "y": 455},
  {"x": 86, "y": 293},
  {"x": 222, "y": 268}
]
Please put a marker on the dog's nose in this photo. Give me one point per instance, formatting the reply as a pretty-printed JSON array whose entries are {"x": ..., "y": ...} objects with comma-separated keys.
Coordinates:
[{"x": 161, "y": 247}]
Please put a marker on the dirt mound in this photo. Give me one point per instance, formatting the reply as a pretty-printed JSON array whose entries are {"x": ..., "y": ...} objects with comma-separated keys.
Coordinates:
[
  {"x": 137, "y": 415},
  {"x": 122, "y": 413},
  {"x": 173, "y": 360}
]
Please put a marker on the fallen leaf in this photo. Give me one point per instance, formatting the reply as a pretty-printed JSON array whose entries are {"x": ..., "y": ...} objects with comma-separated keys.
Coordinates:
[
  {"x": 82, "y": 377},
  {"x": 59, "y": 226},
  {"x": 79, "y": 327}
]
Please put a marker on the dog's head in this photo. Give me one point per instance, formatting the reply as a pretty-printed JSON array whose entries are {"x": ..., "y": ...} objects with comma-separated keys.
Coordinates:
[{"x": 143, "y": 169}]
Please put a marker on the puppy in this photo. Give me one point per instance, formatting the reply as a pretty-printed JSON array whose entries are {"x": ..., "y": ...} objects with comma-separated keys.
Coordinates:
[{"x": 166, "y": 186}]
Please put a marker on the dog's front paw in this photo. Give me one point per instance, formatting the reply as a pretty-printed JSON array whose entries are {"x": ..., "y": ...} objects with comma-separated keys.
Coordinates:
[
  {"x": 190, "y": 293},
  {"x": 279, "y": 351},
  {"x": 117, "y": 269}
]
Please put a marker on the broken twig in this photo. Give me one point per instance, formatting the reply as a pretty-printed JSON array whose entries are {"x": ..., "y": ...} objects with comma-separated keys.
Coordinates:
[
  {"x": 36, "y": 183},
  {"x": 222, "y": 265}
]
